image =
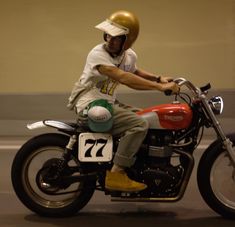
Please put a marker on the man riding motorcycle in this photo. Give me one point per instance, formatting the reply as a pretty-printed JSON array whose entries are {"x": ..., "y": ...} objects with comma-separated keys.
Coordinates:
[{"x": 94, "y": 94}]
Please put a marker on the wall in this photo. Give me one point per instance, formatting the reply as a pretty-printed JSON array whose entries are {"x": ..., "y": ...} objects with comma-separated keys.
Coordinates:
[
  {"x": 44, "y": 43},
  {"x": 19, "y": 110}
]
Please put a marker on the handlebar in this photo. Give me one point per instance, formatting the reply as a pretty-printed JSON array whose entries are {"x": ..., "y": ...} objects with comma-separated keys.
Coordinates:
[{"x": 182, "y": 81}]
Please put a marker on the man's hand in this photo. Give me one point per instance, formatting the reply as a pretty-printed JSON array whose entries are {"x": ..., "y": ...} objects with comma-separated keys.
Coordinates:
[
  {"x": 165, "y": 79},
  {"x": 171, "y": 86}
]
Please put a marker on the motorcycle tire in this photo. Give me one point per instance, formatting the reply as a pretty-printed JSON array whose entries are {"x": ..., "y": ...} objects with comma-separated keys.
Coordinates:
[
  {"x": 26, "y": 188},
  {"x": 215, "y": 176}
]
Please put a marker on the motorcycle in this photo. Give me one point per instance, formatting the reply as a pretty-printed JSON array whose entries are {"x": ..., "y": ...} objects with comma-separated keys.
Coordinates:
[{"x": 56, "y": 174}]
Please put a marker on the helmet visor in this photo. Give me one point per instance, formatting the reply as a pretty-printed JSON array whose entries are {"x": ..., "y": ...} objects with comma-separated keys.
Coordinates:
[{"x": 112, "y": 28}]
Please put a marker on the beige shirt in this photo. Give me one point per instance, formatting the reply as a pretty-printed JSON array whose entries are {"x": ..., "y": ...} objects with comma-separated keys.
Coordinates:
[{"x": 99, "y": 86}]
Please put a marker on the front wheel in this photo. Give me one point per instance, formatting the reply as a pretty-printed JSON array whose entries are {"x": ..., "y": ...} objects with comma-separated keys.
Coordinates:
[
  {"x": 36, "y": 160},
  {"x": 216, "y": 179}
]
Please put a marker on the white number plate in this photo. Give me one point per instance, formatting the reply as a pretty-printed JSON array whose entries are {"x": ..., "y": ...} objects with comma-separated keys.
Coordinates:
[{"x": 95, "y": 147}]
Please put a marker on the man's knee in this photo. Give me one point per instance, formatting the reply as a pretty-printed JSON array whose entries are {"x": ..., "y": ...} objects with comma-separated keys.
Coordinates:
[{"x": 144, "y": 124}]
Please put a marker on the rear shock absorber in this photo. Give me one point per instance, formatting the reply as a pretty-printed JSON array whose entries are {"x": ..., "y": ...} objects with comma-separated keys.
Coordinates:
[{"x": 66, "y": 155}]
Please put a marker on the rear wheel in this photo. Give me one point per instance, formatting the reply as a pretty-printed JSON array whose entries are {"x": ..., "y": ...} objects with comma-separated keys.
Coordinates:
[
  {"x": 216, "y": 179},
  {"x": 36, "y": 161}
]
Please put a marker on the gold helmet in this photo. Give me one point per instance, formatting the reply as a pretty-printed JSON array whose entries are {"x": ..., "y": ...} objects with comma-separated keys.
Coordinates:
[{"x": 121, "y": 23}]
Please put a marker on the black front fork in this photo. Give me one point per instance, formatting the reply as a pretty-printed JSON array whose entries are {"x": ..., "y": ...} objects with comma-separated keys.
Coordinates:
[{"x": 228, "y": 145}]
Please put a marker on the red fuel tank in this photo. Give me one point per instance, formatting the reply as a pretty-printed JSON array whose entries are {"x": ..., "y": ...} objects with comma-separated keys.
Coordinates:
[{"x": 173, "y": 116}]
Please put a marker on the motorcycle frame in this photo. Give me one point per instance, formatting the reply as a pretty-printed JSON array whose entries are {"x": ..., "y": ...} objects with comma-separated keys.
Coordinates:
[{"x": 73, "y": 131}]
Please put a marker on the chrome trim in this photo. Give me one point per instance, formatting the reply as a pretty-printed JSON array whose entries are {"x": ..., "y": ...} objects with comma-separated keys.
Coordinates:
[
  {"x": 182, "y": 81},
  {"x": 217, "y": 105}
]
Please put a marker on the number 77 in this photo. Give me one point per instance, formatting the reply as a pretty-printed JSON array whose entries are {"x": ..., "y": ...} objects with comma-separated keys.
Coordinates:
[{"x": 95, "y": 143}]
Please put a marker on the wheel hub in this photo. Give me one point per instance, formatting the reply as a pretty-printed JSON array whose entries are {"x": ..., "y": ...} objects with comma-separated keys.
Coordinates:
[{"x": 49, "y": 178}]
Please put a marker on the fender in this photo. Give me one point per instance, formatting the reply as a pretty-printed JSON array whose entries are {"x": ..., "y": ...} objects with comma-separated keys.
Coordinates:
[{"x": 50, "y": 123}]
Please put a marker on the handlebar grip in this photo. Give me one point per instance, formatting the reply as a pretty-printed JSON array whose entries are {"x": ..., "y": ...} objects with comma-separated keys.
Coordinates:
[{"x": 168, "y": 92}]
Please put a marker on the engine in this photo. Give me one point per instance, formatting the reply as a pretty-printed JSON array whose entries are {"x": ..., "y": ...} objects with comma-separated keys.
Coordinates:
[
  {"x": 163, "y": 173},
  {"x": 161, "y": 169}
]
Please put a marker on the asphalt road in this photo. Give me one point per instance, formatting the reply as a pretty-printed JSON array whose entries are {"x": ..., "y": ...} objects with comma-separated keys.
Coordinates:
[{"x": 100, "y": 211}]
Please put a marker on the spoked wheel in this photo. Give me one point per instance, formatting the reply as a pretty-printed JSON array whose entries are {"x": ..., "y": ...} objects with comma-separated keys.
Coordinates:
[
  {"x": 216, "y": 179},
  {"x": 223, "y": 180},
  {"x": 37, "y": 184}
]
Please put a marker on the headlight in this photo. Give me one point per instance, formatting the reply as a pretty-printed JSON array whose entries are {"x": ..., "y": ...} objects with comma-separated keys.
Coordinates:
[{"x": 216, "y": 104}]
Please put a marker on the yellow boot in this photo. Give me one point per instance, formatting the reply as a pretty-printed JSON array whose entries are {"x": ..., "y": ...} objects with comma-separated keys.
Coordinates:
[{"x": 119, "y": 181}]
